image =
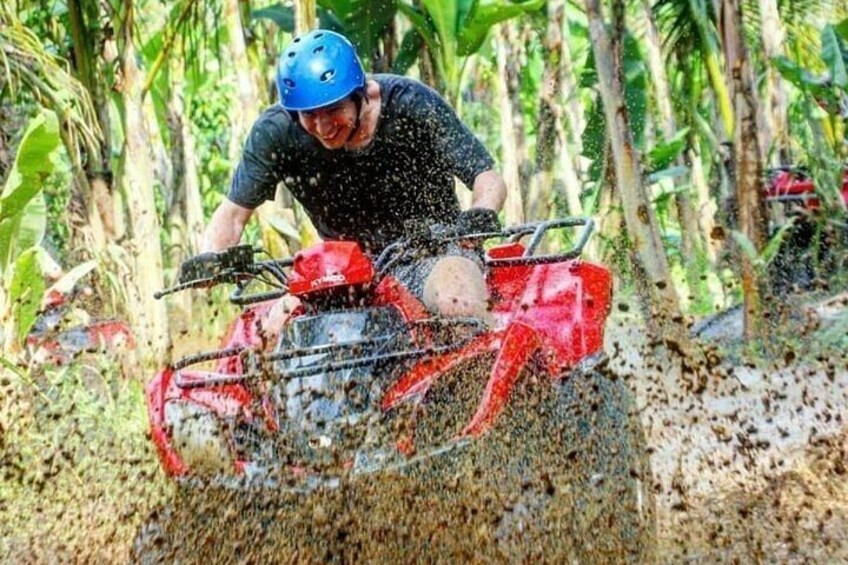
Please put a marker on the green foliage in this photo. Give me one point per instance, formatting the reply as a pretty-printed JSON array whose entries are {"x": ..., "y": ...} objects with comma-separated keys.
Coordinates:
[
  {"x": 663, "y": 154},
  {"x": 761, "y": 260},
  {"x": 23, "y": 224},
  {"x": 827, "y": 90},
  {"x": 834, "y": 55},
  {"x": 283, "y": 17},
  {"x": 26, "y": 290},
  {"x": 22, "y": 221},
  {"x": 364, "y": 22},
  {"x": 822, "y": 108},
  {"x": 454, "y": 30},
  {"x": 410, "y": 47},
  {"x": 209, "y": 116},
  {"x": 33, "y": 164}
]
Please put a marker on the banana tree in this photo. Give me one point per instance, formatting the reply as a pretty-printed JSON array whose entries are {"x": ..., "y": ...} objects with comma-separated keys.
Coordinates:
[
  {"x": 454, "y": 30},
  {"x": 826, "y": 99},
  {"x": 23, "y": 224},
  {"x": 29, "y": 67},
  {"x": 364, "y": 22},
  {"x": 689, "y": 27}
]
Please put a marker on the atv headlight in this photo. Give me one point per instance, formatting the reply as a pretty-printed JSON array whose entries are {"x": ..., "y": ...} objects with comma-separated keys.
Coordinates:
[{"x": 197, "y": 437}]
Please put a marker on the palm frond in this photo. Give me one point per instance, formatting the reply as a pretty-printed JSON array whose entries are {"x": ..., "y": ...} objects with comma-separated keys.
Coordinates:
[
  {"x": 26, "y": 65},
  {"x": 677, "y": 25}
]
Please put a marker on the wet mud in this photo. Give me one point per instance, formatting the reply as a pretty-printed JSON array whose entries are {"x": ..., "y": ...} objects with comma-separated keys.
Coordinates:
[{"x": 747, "y": 467}]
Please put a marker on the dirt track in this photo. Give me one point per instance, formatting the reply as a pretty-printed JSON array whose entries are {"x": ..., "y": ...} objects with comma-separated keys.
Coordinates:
[{"x": 752, "y": 467}]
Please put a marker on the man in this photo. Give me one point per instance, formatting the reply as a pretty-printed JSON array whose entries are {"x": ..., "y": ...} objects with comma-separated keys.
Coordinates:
[{"x": 371, "y": 160}]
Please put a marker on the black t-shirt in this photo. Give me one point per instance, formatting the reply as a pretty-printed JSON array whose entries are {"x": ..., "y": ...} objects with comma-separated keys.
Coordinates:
[{"x": 403, "y": 178}]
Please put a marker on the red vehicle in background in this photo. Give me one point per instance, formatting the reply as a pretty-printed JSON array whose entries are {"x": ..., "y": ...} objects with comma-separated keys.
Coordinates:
[
  {"x": 363, "y": 380},
  {"x": 815, "y": 245},
  {"x": 790, "y": 191},
  {"x": 53, "y": 339}
]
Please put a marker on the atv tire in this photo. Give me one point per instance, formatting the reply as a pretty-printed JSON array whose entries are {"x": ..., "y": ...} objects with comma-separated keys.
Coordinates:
[
  {"x": 564, "y": 475},
  {"x": 151, "y": 544},
  {"x": 569, "y": 474}
]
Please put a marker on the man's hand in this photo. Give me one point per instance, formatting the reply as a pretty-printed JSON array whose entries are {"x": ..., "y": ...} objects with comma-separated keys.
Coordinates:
[
  {"x": 478, "y": 220},
  {"x": 201, "y": 266},
  {"x": 211, "y": 264}
]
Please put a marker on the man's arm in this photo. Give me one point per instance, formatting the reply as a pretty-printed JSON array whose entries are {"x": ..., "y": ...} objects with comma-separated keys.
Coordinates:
[
  {"x": 489, "y": 191},
  {"x": 226, "y": 226}
]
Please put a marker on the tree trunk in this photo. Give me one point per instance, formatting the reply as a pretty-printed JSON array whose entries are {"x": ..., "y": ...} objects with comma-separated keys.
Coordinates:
[
  {"x": 691, "y": 243},
  {"x": 710, "y": 54},
  {"x": 639, "y": 217},
  {"x": 246, "y": 109},
  {"x": 705, "y": 206},
  {"x": 92, "y": 172},
  {"x": 390, "y": 47},
  {"x": 185, "y": 209},
  {"x": 573, "y": 108},
  {"x": 537, "y": 206},
  {"x": 747, "y": 164},
  {"x": 511, "y": 139},
  {"x": 514, "y": 57},
  {"x": 776, "y": 100},
  {"x": 148, "y": 315},
  {"x": 305, "y": 16}
]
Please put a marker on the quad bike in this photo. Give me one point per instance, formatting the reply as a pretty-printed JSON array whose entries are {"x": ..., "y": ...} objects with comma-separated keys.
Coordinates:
[
  {"x": 792, "y": 204},
  {"x": 790, "y": 196},
  {"x": 389, "y": 433},
  {"x": 52, "y": 339}
]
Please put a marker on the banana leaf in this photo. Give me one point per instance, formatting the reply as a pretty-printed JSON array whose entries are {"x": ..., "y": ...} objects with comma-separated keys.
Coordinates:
[
  {"x": 834, "y": 56},
  {"x": 26, "y": 291},
  {"x": 483, "y": 17}
]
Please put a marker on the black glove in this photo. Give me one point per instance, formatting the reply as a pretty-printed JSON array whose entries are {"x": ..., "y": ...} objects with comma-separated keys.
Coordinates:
[
  {"x": 210, "y": 264},
  {"x": 201, "y": 266},
  {"x": 478, "y": 220}
]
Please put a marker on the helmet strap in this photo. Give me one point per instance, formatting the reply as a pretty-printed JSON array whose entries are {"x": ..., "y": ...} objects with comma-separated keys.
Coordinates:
[{"x": 357, "y": 101}]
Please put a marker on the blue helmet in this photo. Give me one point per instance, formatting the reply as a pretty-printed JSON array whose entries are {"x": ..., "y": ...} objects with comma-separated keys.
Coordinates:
[{"x": 318, "y": 69}]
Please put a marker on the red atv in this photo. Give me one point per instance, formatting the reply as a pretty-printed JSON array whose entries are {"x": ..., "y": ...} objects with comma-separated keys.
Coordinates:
[
  {"x": 51, "y": 340},
  {"x": 365, "y": 386},
  {"x": 813, "y": 245}
]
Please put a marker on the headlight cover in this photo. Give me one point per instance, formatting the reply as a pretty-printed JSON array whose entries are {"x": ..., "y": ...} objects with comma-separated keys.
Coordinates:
[{"x": 198, "y": 438}]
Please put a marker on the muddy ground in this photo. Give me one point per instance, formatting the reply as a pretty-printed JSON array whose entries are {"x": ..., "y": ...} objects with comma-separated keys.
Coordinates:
[
  {"x": 751, "y": 467},
  {"x": 748, "y": 463}
]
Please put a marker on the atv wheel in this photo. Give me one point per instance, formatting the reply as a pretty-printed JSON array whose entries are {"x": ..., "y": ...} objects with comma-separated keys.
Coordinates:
[
  {"x": 613, "y": 501},
  {"x": 569, "y": 472},
  {"x": 151, "y": 544}
]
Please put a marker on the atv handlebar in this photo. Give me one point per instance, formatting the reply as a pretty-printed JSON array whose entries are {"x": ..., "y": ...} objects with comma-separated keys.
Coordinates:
[
  {"x": 438, "y": 235},
  {"x": 239, "y": 272},
  {"x": 238, "y": 268}
]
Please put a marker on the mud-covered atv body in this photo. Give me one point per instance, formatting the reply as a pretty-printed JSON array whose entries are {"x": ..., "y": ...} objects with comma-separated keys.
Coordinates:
[
  {"x": 52, "y": 340},
  {"x": 363, "y": 382}
]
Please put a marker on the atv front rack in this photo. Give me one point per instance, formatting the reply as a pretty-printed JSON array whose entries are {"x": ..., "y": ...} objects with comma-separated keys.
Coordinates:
[{"x": 352, "y": 360}]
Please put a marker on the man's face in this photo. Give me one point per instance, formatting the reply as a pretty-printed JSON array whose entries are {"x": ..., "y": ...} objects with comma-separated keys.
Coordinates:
[{"x": 331, "y": 125}]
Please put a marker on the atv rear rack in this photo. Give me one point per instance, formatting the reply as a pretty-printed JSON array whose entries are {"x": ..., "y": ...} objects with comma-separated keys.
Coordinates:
[{"x": 539, "y": 229}]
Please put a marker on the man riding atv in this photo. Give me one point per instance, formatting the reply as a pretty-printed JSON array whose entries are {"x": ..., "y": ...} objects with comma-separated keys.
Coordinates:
[
  {"x": 411, "y": 407},
  {"x": 371, "y": 159}
]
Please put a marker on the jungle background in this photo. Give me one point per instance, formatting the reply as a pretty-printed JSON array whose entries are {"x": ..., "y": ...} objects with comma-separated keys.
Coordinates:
[{"x": 121, "y": 122}]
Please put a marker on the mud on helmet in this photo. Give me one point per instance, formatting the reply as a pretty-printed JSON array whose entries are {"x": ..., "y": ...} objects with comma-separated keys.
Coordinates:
[{"x": 318, "y": 69}]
